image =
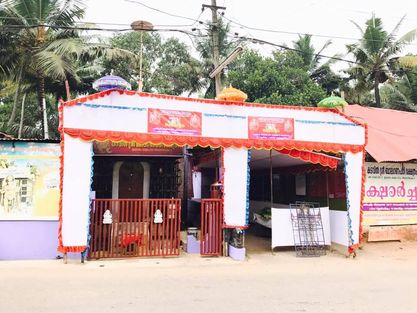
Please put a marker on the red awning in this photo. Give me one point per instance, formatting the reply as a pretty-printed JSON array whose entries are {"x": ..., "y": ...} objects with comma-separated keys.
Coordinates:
[
  {"x": 312, "y": 157},
  {"x": 392, "y": 135}
]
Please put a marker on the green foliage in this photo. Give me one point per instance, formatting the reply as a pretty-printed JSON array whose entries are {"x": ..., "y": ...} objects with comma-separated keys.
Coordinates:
[
  {"x": 281, "y": 79},
  {"x": 168, "y": 66},
  {"x": 402, "y": 94}
]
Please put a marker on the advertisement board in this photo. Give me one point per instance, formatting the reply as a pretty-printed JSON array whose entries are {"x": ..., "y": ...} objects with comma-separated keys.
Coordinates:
[
  {"x": 29, "y": 181},
  {"x": 270, "y": 128},
  {"x": 174, "y": 122},
  {"x": 134, "y": 148},
  {"x": 390, "y": 194}
]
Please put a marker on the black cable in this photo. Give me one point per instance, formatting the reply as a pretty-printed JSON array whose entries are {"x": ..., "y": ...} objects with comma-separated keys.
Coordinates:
[
  {"x": 296, "y": 33},
  {"x": 261, "y": 41},
  {"x": 171, "y": 14}
]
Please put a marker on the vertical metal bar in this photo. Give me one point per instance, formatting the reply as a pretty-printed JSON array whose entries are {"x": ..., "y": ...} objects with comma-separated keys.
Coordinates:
[
  {"x": 92, "y": 230},
  {"x": 100, "y": 223},
  {"x": 110, "y": 204},
  {"x": 133, "y": 227},
  {"x": 208, "y": 225},
  {"x": 217, "y": 227},
  {"x": 105, "y": 231},
  {"x": 178, "y": 230},
  {"x": 136, "y": 227},
  {"x": 162, "y": 226},
  {"x": 128, "y": 227},
  {"x": 122, "y": 226},
  {"x": 115, "y": 232},
  {"x": 167, "y": 221},
  {"x": 145, "y": 218},
  {"x": 211, "y": 226},
  {"x": 141, "y": 227},
  {"x": 201, "y": 226},
  {"x": 156, "y": 226},
  {"x": 111, "y": 230},
  {"x": 162, "y": 206},
  {"x": 221, "y": 227},
  {"x": 152, "y": 236}
]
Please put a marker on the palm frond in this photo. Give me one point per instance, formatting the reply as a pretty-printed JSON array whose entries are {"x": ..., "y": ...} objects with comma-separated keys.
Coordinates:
[
  {"x": 357, "y": 26},
  {"x": 54, "y": 65}
]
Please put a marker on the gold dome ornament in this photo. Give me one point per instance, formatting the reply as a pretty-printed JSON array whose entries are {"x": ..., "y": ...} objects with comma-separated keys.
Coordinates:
[{"x": 232, "y": 94}]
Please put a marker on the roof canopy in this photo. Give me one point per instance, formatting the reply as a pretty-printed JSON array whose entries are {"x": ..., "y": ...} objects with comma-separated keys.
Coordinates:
[
  {"x": 392, "y": 135},
  {"x": 121, "y": 115}
]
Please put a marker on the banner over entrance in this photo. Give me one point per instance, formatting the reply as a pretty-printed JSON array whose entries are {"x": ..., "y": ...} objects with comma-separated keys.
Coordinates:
[{"x": 174, "y": 122}]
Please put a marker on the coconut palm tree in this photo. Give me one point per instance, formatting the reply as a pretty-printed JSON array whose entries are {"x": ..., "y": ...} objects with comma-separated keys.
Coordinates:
[
  {"x": 402, "y": 94},
  {"x": 48, "y": 46},
  {"x": 34, "y": 25},
  {"x": 376, "y": 52},
  {"x": 320, "y": 72}
]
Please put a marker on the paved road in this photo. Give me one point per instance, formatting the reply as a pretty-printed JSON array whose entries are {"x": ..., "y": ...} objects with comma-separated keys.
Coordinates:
[{"x": 382, "y": 278}]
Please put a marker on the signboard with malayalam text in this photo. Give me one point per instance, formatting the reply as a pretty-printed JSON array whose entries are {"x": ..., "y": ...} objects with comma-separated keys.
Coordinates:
[
  {"x": 134, "y": 148},
  {"x": 390, "y": 194}
]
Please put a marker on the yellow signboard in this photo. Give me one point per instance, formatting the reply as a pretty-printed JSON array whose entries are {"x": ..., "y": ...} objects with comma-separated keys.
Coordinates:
[{"x": 390, "y": 194}]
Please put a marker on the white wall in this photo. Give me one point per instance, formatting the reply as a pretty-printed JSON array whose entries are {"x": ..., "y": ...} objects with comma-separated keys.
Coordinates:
[
  {"x": 235, "y": 186},
  {"x": 76, "y": 191},
  {"x": 353, "y": 170}
]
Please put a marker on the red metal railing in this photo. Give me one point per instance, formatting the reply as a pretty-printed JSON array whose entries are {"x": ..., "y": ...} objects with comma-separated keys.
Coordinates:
[
  {"x": 211, "y": 234},
  {"x": 134, "y": 230}
]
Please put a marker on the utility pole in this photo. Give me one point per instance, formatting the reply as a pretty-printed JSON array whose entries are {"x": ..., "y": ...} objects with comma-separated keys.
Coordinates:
[{"x": 215, "y": 41}]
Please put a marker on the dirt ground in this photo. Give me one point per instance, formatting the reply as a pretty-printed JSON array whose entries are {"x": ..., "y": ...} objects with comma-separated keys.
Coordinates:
[{"x": 382, "y": 278}]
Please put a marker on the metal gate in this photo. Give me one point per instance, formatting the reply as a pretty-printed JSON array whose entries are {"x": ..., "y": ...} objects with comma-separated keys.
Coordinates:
[
  {"x": 211, "y": 234},
  {"x": 121, "y": 228}
]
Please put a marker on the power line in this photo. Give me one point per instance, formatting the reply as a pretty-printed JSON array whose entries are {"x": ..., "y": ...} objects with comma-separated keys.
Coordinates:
[
  {"x": 105, "y": 23},
  {"x": 197, "y": 20},
  {"x": 194, "y": 20},
  {"x": 298, "y": 33},
  {"x": 261, "y": 41},
  {"x": 13, "y": 27},
  {"x": 188, "y": 33}
]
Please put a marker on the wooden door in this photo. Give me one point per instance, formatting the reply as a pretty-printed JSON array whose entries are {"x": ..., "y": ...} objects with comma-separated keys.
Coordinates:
[{"x": 131, "y": 181}]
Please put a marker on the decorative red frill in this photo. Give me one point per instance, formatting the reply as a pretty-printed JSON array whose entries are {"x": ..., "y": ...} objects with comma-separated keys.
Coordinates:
[
  {"x": 312, "y": 157},
  {"x": 103, "y": 135}
]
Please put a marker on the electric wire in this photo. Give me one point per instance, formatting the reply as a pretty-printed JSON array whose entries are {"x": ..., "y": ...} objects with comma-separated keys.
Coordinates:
[{"x": 299, "y": 33}]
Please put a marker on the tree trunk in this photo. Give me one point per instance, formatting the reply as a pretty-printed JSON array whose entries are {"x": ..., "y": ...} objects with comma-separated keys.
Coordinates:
[
  {"x": 376, "y": 91},
  {"x": 22, "y": 114},
  {"x": 42, "y": 104},
  {"x": 16, "y": 96}
]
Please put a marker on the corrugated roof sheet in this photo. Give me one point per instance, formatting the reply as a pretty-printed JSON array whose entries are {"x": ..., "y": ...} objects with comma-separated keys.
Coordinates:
[{"x": 392, "y": 135}]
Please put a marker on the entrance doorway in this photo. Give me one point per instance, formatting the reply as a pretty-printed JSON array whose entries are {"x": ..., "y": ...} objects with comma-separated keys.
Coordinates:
[{"x": 131, "y": 180}]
